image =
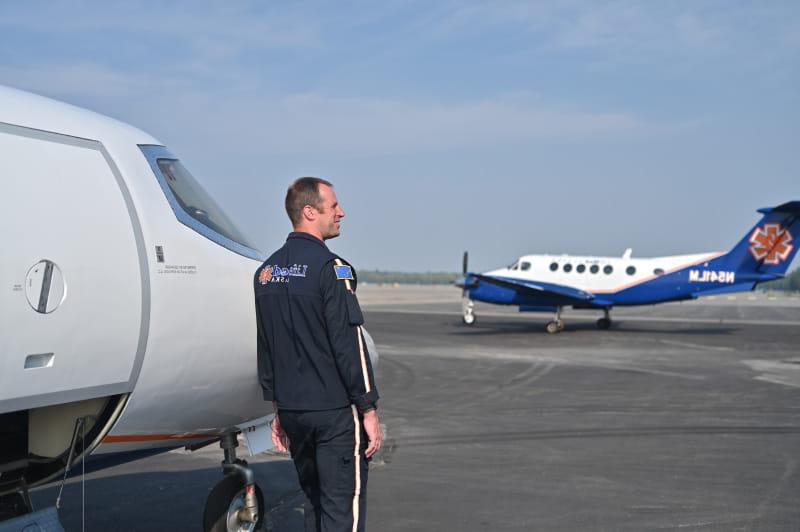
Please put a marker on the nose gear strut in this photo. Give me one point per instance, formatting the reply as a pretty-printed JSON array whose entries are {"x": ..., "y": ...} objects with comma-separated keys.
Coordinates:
[{"x": 236, "y": 503}]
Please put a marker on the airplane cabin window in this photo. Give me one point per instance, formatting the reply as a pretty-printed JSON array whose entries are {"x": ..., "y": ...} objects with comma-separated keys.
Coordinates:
[
  {"x": 658, "y": 271},
  {"x": 580, "y": 268},
  {"x": 525, "y": 266},
  {"x": 553, "y": 266},
  {"x": 630, "y": 270},
  {"x": 568, "y": 267},
  {"x": 608, "y": 269},
  {"x": 594, "y": 268}
]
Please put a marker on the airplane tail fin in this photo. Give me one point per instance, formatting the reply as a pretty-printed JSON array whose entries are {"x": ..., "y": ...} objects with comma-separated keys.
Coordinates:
[{"x": 767, "y": 250}]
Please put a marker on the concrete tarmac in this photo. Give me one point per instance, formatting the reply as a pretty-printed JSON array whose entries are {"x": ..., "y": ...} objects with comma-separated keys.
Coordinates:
[{"x": 681, "y": 417}]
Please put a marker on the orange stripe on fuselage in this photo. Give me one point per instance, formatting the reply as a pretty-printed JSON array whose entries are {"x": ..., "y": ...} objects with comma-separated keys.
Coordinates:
[{"x": 128, "y": 438}]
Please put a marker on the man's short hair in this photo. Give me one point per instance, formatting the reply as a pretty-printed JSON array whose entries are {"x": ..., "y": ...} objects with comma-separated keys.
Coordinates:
[{"x": 304, "y": 191}]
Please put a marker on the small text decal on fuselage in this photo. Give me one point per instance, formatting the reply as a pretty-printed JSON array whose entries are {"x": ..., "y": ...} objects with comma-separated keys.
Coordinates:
[{"x": 711, "y": 276}]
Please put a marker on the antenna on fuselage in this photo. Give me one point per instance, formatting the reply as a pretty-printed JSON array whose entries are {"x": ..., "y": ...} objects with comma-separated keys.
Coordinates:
[{"x": 627, "y": 253}]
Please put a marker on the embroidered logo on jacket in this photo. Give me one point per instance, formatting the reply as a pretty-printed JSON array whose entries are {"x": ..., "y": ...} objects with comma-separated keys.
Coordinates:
[
  {"x": 265, "y": 275},
  {"x": 277, "y": 274}
]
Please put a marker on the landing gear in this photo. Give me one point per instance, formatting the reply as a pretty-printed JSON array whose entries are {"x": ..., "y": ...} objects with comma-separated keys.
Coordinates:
[
  {"x": 467, "y": 311},
  {"x": 236, "y": 504},
  {"x": 605, "y": 321},
  {"x": 557, "y": 325},
  {"x": 225, "y": 505},
  {"x": 553, "y": 327}
]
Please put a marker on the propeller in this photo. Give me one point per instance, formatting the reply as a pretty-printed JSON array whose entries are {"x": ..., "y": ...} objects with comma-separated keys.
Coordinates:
[
  {"x": 466, "y": 303},
  {"x": 464, "y": 263}
]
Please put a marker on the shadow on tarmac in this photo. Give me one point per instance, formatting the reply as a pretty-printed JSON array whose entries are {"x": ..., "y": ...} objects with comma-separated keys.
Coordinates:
[{"x": 503, "y": 328}]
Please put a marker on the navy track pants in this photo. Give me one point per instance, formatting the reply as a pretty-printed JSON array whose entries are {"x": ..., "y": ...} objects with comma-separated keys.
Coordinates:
[{"x": 328, "y": 447}]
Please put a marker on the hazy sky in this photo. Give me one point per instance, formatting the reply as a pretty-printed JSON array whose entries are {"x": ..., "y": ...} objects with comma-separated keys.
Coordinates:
[{"x": 503, "y": 128}]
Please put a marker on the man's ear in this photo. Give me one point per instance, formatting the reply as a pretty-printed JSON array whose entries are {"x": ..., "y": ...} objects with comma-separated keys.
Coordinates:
[{"x": 309, "y": 213}]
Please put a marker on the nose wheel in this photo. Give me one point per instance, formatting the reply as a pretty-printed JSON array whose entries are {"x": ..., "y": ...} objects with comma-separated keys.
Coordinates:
[
  {"x": 467, "y": 311},
  {"x": 554, "y": 327},
  {"x": 226, "y": 504},
  {"x": 236, "y": 504},
  {"x": 557, "y": 325}
]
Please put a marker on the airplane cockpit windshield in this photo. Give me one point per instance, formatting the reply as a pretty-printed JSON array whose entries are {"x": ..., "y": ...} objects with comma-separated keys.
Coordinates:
[
  {"x": 196, "y": 201},
  {"x": 193, "y": 206},
  {"x": 513, "y": 266}
]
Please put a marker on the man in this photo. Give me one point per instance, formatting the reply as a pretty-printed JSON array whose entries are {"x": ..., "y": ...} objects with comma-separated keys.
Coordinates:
[{"x": 313, "y": 363}]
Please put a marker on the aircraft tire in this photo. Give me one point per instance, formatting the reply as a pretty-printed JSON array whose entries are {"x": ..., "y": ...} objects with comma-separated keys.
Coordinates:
[
  {"x": 603, "y": 323},
  {"x": 224, "y": 503},
  {"x": 468, "y": 319},
  {"x": 553, "y": 327}
]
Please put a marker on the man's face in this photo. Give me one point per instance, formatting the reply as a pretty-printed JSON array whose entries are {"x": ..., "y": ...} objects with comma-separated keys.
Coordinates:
[{"x": 330, "y": 213}]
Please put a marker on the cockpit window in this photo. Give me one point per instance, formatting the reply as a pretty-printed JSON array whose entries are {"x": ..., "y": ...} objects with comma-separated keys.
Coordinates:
[
  {"x": 196, "y": 201},
  {"x": 193, "y": 206},
  {"x": 525, "y": 266}
]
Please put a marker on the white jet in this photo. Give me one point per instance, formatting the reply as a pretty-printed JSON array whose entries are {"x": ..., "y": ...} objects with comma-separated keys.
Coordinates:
[{"x": 127, "y": 322}]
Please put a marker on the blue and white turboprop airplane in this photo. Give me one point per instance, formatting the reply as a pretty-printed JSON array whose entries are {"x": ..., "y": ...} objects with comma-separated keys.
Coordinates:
[{"x": 548, "y": 283}]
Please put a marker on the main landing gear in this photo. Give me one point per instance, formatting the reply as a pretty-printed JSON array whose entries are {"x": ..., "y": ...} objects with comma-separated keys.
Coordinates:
[
  {"x": 557, "y": 325},
  {"x": 605, "y": 321},
  {"x": 236, "y": 504},
  {"x": 467, "y": 311}
]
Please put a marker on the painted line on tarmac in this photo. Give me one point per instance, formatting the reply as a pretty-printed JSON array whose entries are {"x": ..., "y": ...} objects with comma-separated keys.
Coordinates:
[{"x": 720, "y": 321}]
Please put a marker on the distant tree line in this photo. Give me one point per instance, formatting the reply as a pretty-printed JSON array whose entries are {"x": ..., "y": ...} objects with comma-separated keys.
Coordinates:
[
  {"x": 377, "y": 276},
  {"x": 789, "y": 283}
]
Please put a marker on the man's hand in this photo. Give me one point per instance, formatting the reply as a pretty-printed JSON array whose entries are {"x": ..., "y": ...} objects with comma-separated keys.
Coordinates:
[
  {"x": 279, "y": 438},
  {"x": 373, "y": 427}
]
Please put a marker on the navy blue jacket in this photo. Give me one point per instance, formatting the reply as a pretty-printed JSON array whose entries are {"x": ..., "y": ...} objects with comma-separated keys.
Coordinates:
[{"x": 311, "y": 349}]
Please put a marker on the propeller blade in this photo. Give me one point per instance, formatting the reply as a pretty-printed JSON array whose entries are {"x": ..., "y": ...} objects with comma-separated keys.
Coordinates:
[{"x": 464, "y": 272}]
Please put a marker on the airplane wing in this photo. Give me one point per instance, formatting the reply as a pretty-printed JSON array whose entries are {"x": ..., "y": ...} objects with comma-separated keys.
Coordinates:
[{"x": 538, "y": 289}]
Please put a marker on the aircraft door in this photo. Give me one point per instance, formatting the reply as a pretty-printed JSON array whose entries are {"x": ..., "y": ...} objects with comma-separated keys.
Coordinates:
[{"x": 72, "y": 318}]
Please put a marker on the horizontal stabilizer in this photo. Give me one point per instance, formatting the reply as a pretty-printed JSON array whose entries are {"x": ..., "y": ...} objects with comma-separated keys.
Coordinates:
[{"x": 790, "y": 207}]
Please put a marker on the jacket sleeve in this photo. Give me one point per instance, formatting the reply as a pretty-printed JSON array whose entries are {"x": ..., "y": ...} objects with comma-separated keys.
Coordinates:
[
  {"x": 343, "y": 321},
  {"x": 264, "y": 359}
]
